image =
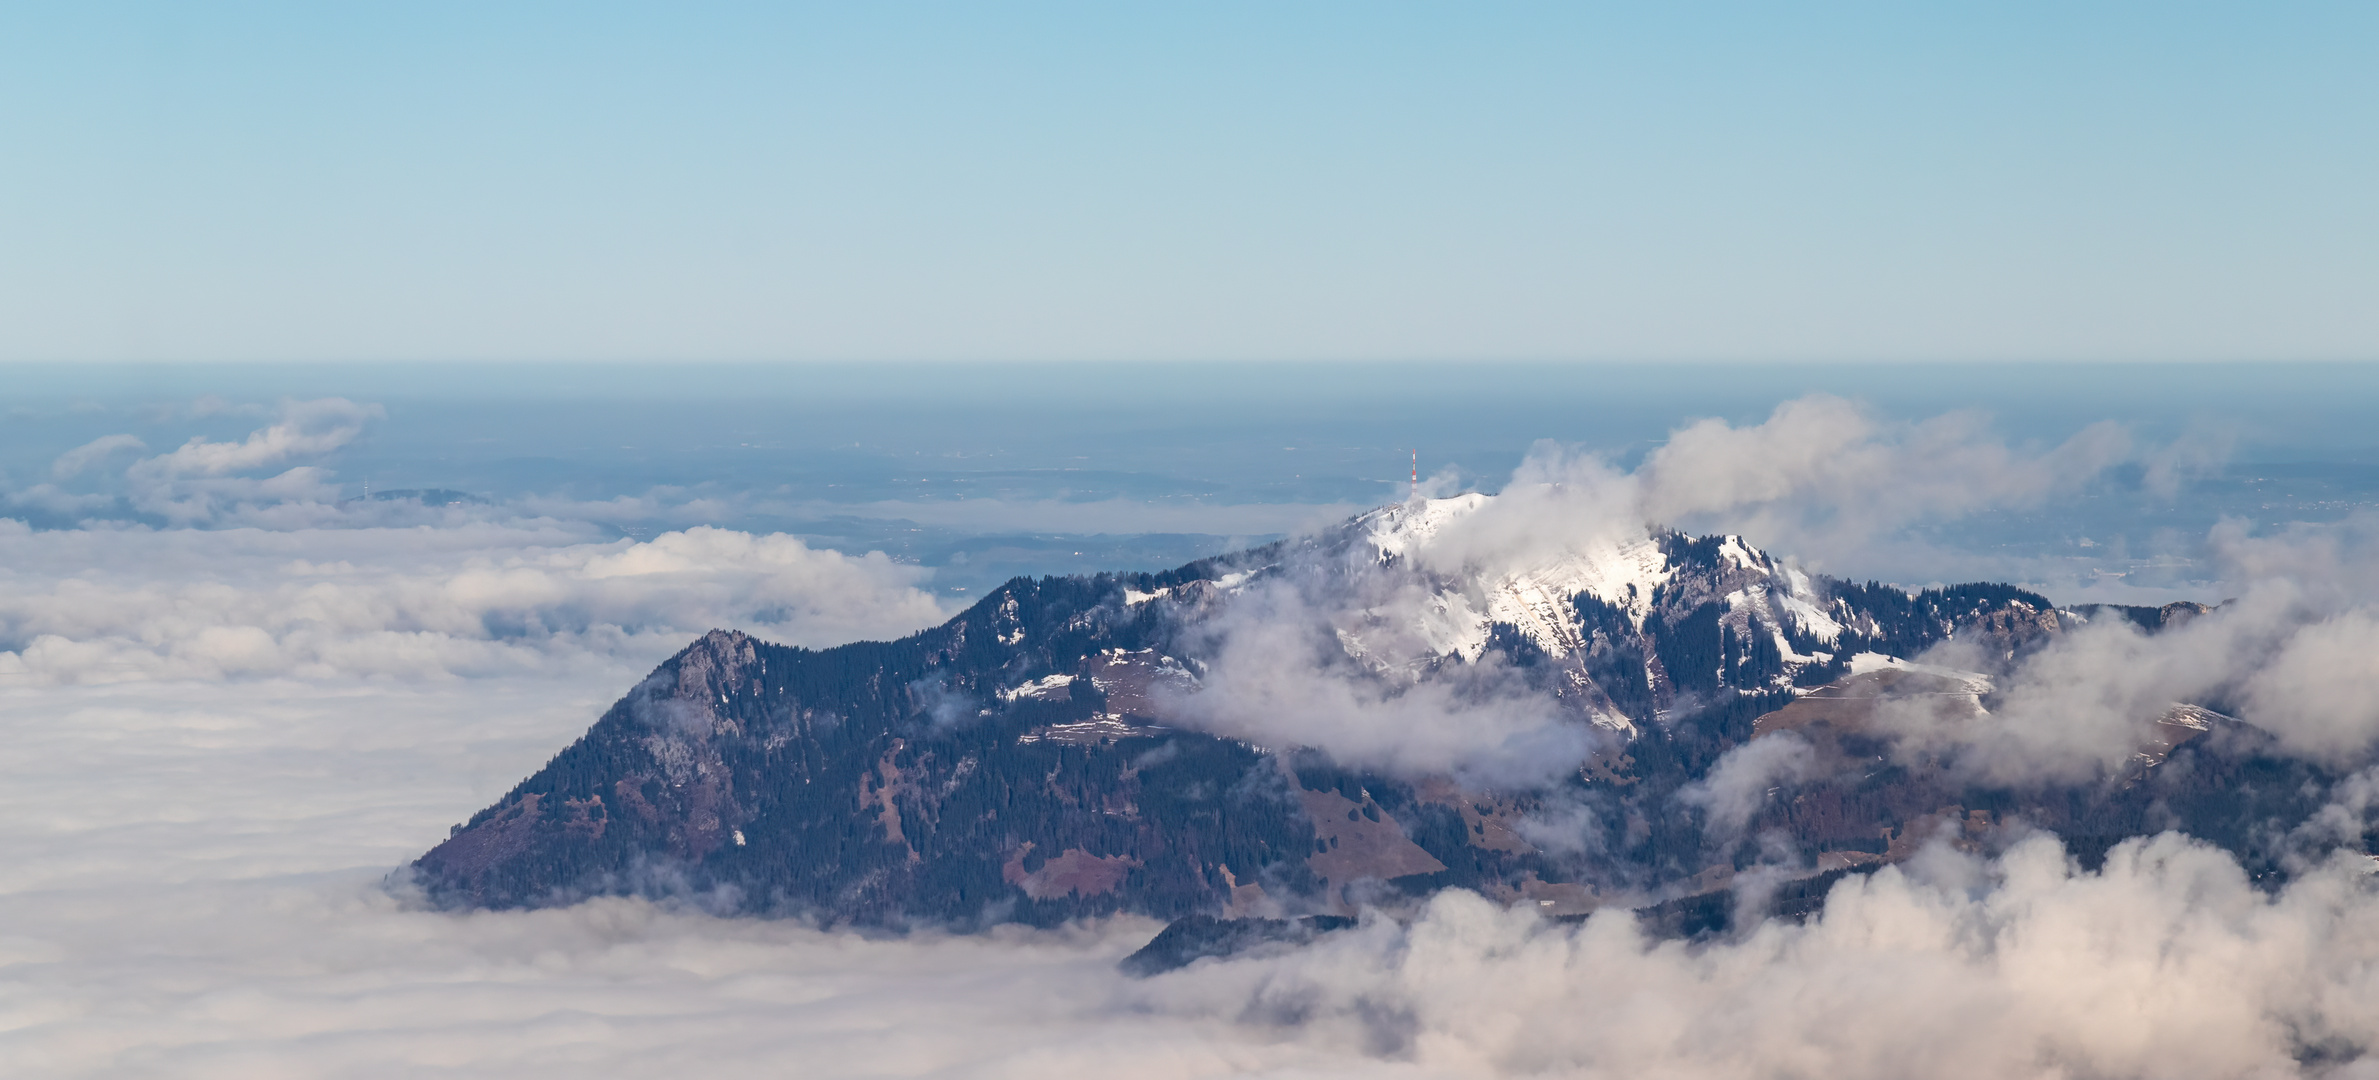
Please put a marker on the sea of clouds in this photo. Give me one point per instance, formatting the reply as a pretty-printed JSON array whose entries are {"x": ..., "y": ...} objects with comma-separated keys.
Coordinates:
[{"x": 221, "y": 730}]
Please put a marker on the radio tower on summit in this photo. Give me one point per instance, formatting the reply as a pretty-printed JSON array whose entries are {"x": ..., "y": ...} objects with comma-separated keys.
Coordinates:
[{"x": 1416, "y": 493}]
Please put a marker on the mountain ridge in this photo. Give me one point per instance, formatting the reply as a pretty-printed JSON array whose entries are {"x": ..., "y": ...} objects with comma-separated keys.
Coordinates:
[{"x": 1042, "y": 755}]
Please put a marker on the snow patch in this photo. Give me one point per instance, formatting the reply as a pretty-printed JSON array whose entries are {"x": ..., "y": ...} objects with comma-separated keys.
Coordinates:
[
  {"x": 1041, "y": 687},
  {"x": 1403, "y": 529},
  {"x": 1448, "y": 626},
  {"x": 1812, "y": 620},
  {"x": 1537, "y": 600},
  {"x": 1740, "y": 555},
  {"x": 1975, "y": 682}
]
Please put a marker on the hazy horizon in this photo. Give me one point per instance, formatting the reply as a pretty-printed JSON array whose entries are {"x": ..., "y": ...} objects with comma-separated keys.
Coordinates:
[{"x": 983, "y": 470}]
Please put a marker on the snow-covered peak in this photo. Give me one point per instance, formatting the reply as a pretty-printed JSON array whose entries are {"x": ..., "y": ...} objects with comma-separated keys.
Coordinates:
[
  {"x": 1407, "y": 528},
  {"x": 1620, "y": 572},
  {"x": 1532, "y": 588},
  {"x": 1743, "y": 556},
  {"x": 1537, "y": 587}
]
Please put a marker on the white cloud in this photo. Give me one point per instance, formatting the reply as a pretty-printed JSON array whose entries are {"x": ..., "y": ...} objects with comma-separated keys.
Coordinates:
[
  {"x": 307, "y": 428},
  {"x": 52, "y": 499},
  {"x": 72, "y": 463},
  {"x": 2293, "y": 653},
  {"x": 102, "y": 605},
  {"x": 1556, "y": 503},
  {"x": 2168, "y": 963},
  {"x": 1278, "y": 677},
  {"x": 1825, "y": 457},
  {"x": 1738, "y": 784},
  {"x": 206, "y": 482},
  {"x": 1821, "y": 480},
  {"x": 2319, "y": 691}
]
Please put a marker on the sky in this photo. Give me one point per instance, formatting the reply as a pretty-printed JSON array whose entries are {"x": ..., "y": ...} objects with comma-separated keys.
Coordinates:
[{"x": 267, "y": 181}]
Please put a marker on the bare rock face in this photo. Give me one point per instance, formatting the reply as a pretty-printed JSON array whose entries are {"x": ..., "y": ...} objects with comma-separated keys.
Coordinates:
[
  {"x": 1198, "y": 937},
  {"x": 691, "y": 789},
  {"x": 1025, "y": 761},
  {"x": 675, "y": 791},
  {"x": 2013, "y": 630}
]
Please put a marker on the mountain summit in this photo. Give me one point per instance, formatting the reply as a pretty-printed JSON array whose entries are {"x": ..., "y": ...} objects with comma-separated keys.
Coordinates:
[{"x": 1418, "y": 698}]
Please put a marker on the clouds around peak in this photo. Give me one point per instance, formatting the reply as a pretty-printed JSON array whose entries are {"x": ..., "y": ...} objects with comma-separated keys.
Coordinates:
[
  {"x": 1278, "y": 674},
  {"x": 1822, "y": 480},
  {"x": 1823, "y": 471},
  {"x": 2289, "y": 654}
]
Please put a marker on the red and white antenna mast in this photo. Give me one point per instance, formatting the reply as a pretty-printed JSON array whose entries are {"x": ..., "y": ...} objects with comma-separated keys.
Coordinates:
[{"x": 1416, "y": 474}]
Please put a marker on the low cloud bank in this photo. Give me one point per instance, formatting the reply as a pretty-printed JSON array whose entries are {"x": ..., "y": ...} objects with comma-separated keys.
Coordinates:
[
  {"x": 219, "y": 914},
  {"x": 95, "y": 606},
  {"x": 2166, "y": 963},
  {"x": 167, "y": 946}
]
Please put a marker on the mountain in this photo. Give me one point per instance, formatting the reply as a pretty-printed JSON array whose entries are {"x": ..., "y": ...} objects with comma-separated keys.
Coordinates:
[{"x": 1054, "y": 751}]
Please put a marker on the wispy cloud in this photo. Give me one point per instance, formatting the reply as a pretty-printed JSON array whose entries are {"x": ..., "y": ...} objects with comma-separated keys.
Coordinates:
[
  {"x": 1279, "y": 675},
  {"x": 73, "y": 462},
  {"x": 1822, "y": 480},
  {"x": 306, "y": 428}
]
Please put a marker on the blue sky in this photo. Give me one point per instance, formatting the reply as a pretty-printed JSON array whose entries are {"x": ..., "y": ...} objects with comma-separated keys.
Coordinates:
[{"x": 1730, "y": 181}]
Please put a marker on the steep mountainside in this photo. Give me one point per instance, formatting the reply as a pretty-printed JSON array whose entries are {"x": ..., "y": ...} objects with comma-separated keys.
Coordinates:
[{"x": 1030, "y": 760}]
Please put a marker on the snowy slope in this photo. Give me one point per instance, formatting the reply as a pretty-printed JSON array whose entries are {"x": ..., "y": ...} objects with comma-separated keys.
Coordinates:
[{"x": 1536, "y": 596}]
